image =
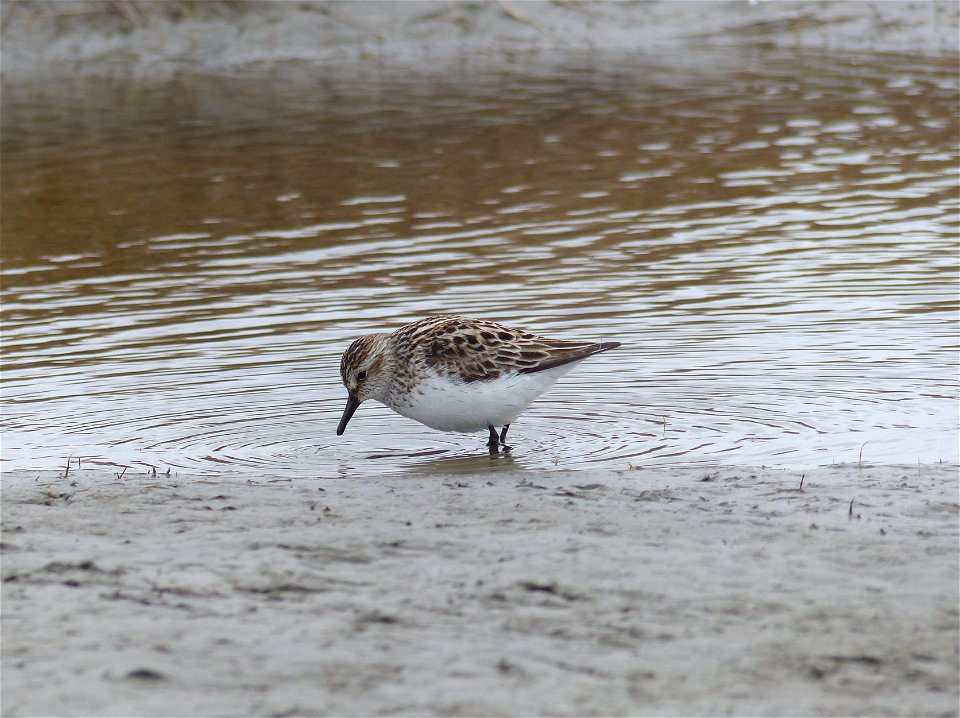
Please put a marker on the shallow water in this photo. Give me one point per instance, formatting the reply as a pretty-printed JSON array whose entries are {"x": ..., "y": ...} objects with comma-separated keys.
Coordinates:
[{"x": 774, "y": 242}]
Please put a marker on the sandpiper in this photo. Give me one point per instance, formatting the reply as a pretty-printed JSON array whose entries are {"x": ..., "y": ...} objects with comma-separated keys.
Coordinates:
[{"x": 453, "y": 373}]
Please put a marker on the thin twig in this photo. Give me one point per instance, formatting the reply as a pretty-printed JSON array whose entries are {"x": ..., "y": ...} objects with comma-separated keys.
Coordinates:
[
  {"x": 520, "y": 17},
  {"x": 130, "y": 12}
]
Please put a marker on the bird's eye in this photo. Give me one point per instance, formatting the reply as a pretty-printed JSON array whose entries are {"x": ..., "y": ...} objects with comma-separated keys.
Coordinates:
[{"x": 361, "y": 375}]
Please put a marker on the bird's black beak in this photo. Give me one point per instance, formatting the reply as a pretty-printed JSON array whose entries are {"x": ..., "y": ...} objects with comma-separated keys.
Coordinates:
[{"x": 351, "y": 407}]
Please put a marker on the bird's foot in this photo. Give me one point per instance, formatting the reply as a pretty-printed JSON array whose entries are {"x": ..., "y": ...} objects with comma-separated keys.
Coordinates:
[{"x": 495, "y": 442}]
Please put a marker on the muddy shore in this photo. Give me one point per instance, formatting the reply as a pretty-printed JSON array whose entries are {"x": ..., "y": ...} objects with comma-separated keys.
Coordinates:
[
  {"x": 486, "y": 591},
  {"x": 154, "y": 41}
]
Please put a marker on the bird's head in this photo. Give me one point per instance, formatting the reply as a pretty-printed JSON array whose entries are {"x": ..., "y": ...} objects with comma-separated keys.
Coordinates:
[{"x": 364, "y": 369}]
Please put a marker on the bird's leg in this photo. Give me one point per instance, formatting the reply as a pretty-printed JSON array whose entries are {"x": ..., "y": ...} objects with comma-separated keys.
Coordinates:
[
  {"x": 494, "y": 441},
  {"x": 503, "y": 434}
]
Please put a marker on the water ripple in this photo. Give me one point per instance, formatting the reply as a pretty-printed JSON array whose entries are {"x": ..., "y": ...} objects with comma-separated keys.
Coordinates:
[{"x": 775, "y": 249}]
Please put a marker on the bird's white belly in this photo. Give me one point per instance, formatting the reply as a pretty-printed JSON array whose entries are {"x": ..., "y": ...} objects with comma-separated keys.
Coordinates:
[{"x": 450, "y": 405}]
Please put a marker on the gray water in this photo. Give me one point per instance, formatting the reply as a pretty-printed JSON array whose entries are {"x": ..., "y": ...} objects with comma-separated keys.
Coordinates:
[{"x": 775, "y": 246}]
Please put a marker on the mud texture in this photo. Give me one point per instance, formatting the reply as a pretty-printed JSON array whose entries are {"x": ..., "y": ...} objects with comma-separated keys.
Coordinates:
[
  {"x": 154, "y": 40},
  {"x": 483, "y": 590}
]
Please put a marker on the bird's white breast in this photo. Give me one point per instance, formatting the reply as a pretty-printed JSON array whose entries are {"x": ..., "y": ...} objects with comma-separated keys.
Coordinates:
[{"x": 449, "y": 404}]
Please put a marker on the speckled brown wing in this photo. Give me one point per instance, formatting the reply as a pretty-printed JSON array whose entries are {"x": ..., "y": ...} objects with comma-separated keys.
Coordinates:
[{"x": 478, "y": 350}]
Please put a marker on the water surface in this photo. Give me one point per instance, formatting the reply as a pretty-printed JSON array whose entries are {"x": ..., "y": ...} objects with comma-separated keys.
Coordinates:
[{"x": 775, "y": 245}]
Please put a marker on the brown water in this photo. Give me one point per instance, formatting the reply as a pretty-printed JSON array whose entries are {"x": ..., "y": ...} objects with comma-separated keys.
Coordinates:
[{"x": 775, "y": 245}]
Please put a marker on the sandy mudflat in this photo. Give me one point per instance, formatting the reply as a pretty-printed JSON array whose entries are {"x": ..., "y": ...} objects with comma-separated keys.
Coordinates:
[
  {"x": 483, "y": 590},
  {"x": 156, "y": 40}
]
